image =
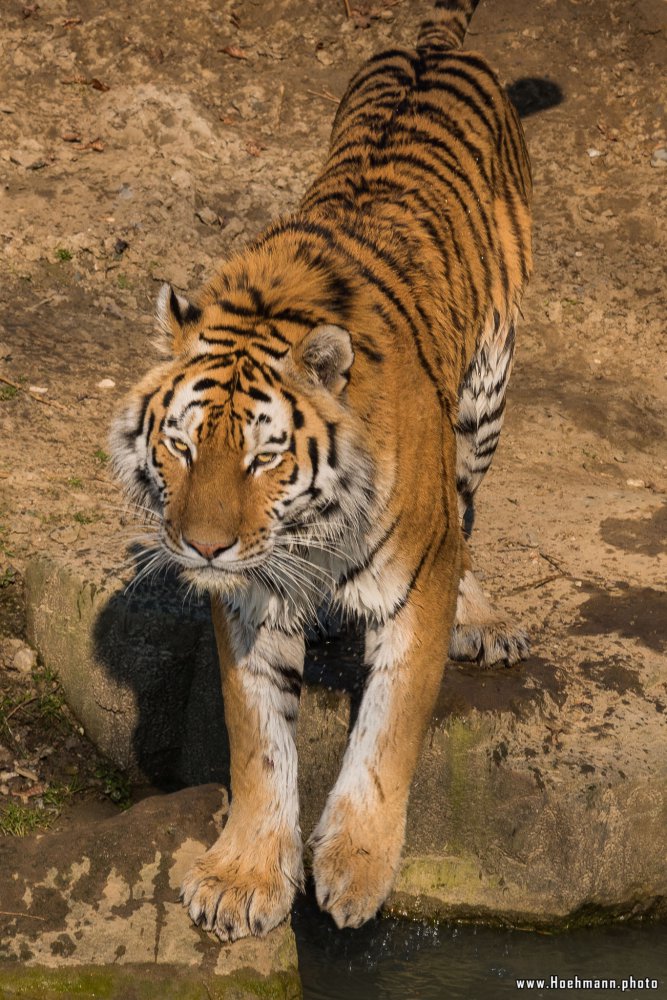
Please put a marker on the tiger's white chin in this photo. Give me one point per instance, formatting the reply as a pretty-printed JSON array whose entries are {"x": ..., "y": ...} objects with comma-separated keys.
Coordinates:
[{"x": 220, "y": 582}]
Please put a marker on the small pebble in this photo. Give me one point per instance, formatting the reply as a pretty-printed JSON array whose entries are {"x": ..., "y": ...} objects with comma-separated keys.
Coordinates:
[
  {"x": 659, "y": 158},
  {"x": 638, "y": 484},
  {"x": 208, "y": 216},
  {"x": 66, "y": 536},
  {"x": 594, "y": 153},
  {"x": 182, "y": 180},
  {"x": 25, "y": 660},
  {"x": 106, "y": 383},
  {"x": 39, "y": 389}
]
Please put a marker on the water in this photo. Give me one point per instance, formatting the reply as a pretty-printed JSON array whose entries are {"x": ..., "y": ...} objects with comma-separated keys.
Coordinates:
[{"x": 397, "y": 960}]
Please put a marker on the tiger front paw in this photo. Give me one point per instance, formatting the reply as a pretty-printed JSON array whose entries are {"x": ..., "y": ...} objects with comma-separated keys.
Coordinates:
[
  {"x": 355, "y": 861},
  {"x": 488, "y": 643},
  {"x": 236, "y": 893}
]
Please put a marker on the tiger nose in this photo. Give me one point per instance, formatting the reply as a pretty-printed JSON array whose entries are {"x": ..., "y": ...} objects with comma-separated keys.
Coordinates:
[{"x": 209, "y": 550}]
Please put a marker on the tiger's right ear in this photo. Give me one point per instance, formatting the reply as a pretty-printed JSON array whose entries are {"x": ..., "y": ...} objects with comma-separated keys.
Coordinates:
[
  {"x": 172, "y": 313},
  {"x": 326, "y": 356}
]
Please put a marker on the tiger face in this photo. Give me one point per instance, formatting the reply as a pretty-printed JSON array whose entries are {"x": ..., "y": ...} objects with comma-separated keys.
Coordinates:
[{"x": 243, "y": 447}]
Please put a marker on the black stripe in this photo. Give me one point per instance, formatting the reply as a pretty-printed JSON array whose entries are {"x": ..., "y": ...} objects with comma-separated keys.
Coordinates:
[
  {"x": 257, "y": 394},
  {"x": 298, "y": 318},
  {"x": 368, "y": 352},
  {"x": 313, "y": 455},
  {"x": 355, "y": 571},
  {"x": 288, "y": 680},
  {"x": 415, "y": 576},
  {"x": 236, "y": 310},
  {"x": 474, "y": 425},
  {"x": 380, "y": 63},
  {"x": 332, "y": 454},
  {"x": 145, "y": 403},
  {"x": 486, "y": 96},
  {"x": 208, "y": 383},
  {"x": 259, "y": 345},
  {"x": 460, "y": 95},
  {"x": 297, "y": 415}
]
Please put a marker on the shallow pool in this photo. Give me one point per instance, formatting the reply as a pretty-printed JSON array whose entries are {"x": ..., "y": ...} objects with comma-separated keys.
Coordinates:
[{"x": 397, "y": 960}]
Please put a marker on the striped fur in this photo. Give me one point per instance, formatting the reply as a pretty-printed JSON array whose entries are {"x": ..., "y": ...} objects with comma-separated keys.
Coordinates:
[{"x": 330, "y": 406}]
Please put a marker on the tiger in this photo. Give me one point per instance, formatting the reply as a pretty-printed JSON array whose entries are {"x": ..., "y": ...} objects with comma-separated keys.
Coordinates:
[{"x": 315, "y": 437}]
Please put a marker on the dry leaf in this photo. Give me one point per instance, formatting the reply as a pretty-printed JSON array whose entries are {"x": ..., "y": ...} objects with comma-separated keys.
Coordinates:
[
  {"x": 234, "y": 52},
  {"x": 75, "y": 79},
  {"x": 71, "y": 22},
  {"x": 95, "y": 144},
  {"x": 98, "y": 85},
  {"x": 70, "y": 137}
]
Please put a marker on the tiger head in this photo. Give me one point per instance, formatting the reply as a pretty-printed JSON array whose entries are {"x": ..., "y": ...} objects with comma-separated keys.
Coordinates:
[{"x": 241, "y": 444}]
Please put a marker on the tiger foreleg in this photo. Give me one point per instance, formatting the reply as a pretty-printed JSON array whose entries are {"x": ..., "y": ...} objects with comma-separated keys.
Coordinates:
[
  {"x": 245, "y": 883},
  {"x": 358, "y": 840},
  {"x": 481, "y": 633}
]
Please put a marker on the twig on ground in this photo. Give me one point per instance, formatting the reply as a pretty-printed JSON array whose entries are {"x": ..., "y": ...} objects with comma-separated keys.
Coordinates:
[
  {"x": 30, "y": 916},
  {"x": 348, "y": 9},
  {"x": 324, "y": 94},
  {"x": 33, "y": 395},
  {"x": 537, "y": 583},
  {"x": 21, "y": 704}
]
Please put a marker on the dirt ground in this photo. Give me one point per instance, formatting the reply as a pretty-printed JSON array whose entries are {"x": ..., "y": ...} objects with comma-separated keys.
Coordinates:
[{"x": 140, "y": 142}]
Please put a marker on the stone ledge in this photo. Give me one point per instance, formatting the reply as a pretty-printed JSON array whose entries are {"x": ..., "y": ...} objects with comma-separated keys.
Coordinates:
[
  {"x": 142, "y": 982},
  {"x": 98, "y": 907},
  {"x": 541, "y": 795}
]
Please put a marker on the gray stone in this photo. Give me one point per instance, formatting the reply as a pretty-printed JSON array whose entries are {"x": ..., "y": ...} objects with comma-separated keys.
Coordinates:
[
  {"x": 541, "y": 795},
  {"x": 24, "y": 660},
  {"x": 92, "y": 910},
  {"x": 208, "y": 216}
]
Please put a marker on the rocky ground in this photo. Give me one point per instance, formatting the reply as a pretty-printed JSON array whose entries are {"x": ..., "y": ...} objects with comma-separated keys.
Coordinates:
[{"x": 141, "y": 142}]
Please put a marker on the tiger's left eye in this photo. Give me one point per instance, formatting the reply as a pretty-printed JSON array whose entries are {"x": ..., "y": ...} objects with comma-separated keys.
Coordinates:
[
  {"x": 179, "y": 446},
  {"x": 264, "y": 458}
]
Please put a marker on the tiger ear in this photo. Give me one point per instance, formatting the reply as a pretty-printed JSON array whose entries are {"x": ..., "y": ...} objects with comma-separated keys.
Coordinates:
[
  {"x": 326, "y": 355},
  {"x": 172, "y": 312}
]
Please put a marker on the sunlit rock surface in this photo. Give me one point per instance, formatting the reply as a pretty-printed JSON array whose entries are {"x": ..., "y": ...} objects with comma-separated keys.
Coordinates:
[{"x": 540, "y": 799}]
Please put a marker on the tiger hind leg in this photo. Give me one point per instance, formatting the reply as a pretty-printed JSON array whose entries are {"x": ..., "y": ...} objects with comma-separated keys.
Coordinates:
[{"x": 481, "y": 633}]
